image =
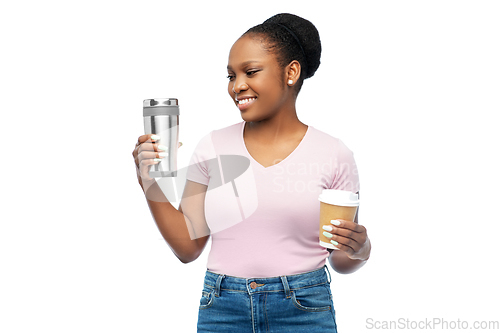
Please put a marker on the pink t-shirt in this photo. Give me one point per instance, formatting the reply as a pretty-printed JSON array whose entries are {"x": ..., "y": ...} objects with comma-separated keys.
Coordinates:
[{"x": 264, "y": 222}]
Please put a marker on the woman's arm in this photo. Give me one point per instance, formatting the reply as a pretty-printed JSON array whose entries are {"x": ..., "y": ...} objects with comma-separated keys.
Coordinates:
[
  {"x": 185, "y": 230},
  {"x": 353, "y": 244}
]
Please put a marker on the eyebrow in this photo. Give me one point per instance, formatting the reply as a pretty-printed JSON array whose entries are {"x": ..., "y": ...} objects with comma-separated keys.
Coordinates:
[{"x": 244, "y": 64}]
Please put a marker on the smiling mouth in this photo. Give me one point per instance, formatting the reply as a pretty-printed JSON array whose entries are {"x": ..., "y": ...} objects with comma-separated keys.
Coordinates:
[
  {"x": 246, "y": 100},
  {"x": 245, "y": 103}
]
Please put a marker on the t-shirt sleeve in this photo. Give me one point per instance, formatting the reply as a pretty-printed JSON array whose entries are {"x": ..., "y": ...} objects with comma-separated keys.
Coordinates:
[
  {"x": 198, "y": 169},
  {"x": 346, "y": 177}
]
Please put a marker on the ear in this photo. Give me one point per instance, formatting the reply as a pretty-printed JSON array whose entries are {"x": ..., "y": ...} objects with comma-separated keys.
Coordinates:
[{"x": 293, "y": 72}]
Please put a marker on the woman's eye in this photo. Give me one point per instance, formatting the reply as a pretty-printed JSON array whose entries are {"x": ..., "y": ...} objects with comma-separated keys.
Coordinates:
[
  {"x": 230, "y": 77},
  {"x": 252, "y": 72}
]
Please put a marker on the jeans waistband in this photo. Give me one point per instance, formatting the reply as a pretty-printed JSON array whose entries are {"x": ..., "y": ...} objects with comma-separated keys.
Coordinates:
[{"x": 279, "y": 283}]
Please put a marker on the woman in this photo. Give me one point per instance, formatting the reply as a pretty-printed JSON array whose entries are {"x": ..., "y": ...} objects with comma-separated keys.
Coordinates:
[{"x": 266, "y": 273}]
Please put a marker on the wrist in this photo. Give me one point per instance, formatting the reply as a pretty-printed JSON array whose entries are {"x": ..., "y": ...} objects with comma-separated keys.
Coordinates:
[
  {"x": 364, "y": 253},
  {"x": 146, "y": 183},
  {"x": 367, "y": 250}
]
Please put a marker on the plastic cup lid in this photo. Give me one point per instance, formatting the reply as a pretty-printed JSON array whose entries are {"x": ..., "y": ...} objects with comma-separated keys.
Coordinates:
[{"x": 339, "y": 198}]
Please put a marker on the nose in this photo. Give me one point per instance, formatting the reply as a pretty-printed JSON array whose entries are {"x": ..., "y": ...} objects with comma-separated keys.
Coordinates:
[{"x": 239, "y": 85}]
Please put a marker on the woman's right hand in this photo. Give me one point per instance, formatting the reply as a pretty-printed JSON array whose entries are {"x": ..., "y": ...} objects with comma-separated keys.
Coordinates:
[{"x": 147, "y": 153}]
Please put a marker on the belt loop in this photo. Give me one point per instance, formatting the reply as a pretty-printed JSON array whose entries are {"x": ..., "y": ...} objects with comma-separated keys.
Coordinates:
[
  {"x": 329, "y": 275},
  {"x": 217, "y": 285},
  {"x": 285, "y": 285}
]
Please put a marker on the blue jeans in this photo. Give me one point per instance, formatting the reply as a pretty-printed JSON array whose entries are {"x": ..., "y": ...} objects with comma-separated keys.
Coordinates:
[{"x": 293, "y": 303}]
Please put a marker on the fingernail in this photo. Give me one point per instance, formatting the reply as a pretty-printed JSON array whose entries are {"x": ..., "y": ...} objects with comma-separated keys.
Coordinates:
[
  {"x": 334, "y": 242},
  {"x": 180, "y": 144},
  {"x": 162, "y": 147},
  {"x": 155, "y": 137},
  {"x": 335, "y": 222},
  {"x": 327, "y": 234},
  {"x": 163, "y": 154},
  {"x": 327, "y": 227},
  {"x": 157, "y": 160}
]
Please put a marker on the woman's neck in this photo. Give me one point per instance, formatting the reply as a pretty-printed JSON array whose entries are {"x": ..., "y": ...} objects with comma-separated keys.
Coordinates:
[
  {"x": 274, "y": 130},
  {"x": 281, "y": 127}
]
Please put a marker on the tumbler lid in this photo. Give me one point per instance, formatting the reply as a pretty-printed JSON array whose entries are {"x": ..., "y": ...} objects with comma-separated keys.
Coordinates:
[
  {"x": 160, "y": 102},
  {"x": 160, "y": 107}
]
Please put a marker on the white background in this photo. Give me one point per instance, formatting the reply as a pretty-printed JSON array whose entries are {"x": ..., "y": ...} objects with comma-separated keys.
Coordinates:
[{"x": 412, "y": 87}]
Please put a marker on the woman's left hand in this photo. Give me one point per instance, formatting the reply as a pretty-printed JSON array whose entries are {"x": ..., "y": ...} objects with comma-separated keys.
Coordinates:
[{"x": 351, "y": 238}]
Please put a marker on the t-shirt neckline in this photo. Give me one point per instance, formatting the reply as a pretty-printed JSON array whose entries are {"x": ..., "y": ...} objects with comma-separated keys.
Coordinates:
[{"x": 280, "y": 163}]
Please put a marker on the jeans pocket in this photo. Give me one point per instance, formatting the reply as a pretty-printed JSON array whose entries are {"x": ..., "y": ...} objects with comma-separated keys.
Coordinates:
[
  {"x": 207, "y": 297},
  {"x": 312, "y": 299}
]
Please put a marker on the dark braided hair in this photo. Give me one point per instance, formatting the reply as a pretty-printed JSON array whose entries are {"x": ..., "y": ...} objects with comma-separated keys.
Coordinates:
[{"x": 290, "y": 37}]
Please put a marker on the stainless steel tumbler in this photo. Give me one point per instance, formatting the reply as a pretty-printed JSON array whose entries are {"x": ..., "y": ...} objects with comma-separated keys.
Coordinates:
[{"x": 161, "y": 117}]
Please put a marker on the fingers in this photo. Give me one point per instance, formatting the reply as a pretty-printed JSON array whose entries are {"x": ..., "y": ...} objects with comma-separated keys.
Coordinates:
[
  {"x": 144, "y": 142},
  {"x": 151, "y": 147},
  {"x": 149, "y": 142},
  {"x": 144, "y": 155},
  {"x": 346, "y": 229},
  {"x": 148, "y": 151},
  {"x": 346, "y": 235},
  {"x": 147, "y": 137}
]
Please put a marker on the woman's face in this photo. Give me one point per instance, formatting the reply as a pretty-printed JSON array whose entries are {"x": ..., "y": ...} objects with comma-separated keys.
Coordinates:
[{"x": 256, "y": 81}]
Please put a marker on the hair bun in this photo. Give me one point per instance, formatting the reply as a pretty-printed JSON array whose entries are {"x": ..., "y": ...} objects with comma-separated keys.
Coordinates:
[{"x": 307, "y": 35}]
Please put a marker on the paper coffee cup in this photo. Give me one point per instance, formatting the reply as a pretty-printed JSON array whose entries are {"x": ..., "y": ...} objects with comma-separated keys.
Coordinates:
[{"x": 335, "y": 204}]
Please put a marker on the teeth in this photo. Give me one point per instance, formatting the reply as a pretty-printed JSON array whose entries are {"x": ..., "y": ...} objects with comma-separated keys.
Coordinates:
[{"x": 246, "y": 100}]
